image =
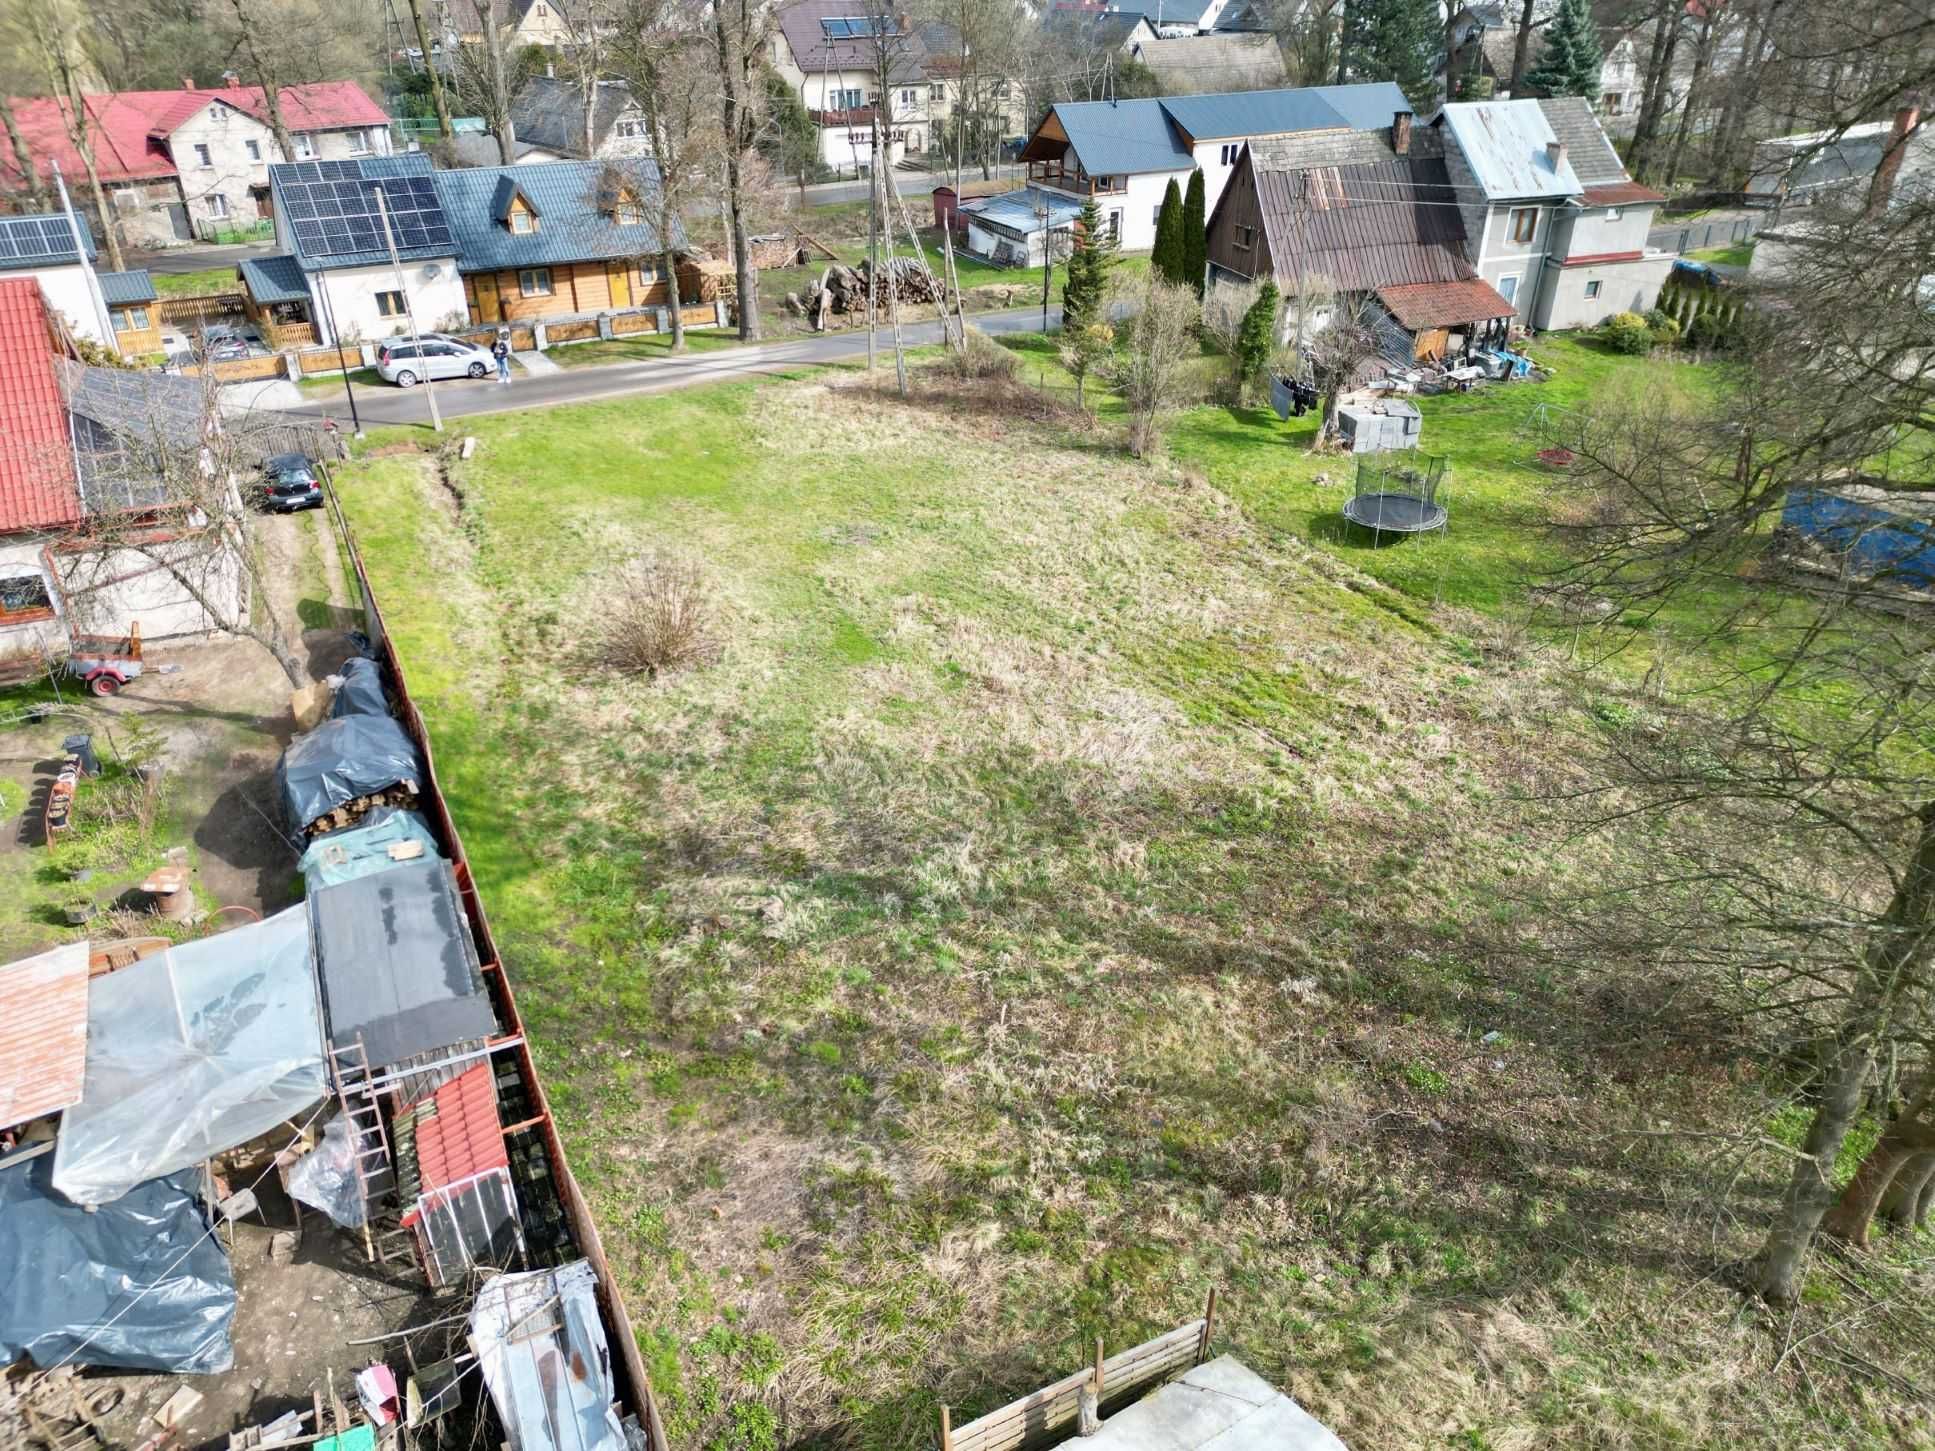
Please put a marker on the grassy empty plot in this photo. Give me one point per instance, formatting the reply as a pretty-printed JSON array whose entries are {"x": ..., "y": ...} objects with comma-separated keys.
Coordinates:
[
  {"x": 1734, "y": 254},
  {"x": 636, "y": 349},
  {"x": 196, "y": 284},
  {"x": 1068, "y": 890}
]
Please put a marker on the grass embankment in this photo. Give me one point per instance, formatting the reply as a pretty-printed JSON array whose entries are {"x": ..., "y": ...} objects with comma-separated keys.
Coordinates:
[
  {"x": 205, "y": 283},
  {"x": 1736, "y": 254},
  {"x": 1068, "y": 891}
]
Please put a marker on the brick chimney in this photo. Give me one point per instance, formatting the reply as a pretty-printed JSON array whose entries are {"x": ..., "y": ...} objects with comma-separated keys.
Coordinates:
[
  {"x": 188, "y": 83},
  {"x": 1401, "y": 133},
  {"x": 1882, "y": 187},
  {"x": 1555, "y": 153},
  {"x": 230, "y": 78}
]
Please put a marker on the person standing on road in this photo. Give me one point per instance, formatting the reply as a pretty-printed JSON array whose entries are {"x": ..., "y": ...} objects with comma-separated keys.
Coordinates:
[{"x": 501, "y": 350}]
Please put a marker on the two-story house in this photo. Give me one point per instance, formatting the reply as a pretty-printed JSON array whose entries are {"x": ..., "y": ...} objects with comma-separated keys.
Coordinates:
[
  {"x": 1484, "y": 43},
  {"x": 831, "y": 58},
  {"x": 1551, "y": 219},
  {"x": 530, "y": 22},
  {"x": 1125, "y": 153},
  {"x": 964, "y": 99},
  {"x": 548, "y": 119},
  {"x": 176, "y": 165},
  {"x": 114, "y": 309}
]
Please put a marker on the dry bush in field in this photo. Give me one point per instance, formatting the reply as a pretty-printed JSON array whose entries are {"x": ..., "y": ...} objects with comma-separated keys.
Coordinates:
[
  {"x": 982, "y": 358},
  {"x": 661, "y": 616}
]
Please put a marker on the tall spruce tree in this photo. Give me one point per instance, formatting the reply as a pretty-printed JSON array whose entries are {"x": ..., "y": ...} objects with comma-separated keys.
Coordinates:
[
  {"x": 1085, "y": 294},
  {"x": 1393, "y": 40},
  {"x": 1166, "y": 259},
  {"x": 1195, "y": 230},
  {"x": 1570, "y": 63}
]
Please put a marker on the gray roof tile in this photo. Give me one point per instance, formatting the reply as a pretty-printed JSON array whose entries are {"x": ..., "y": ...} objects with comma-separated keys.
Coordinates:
[
  {"x": 550, "y": 112},
  {"x": 274, "y": 279},
  {"x": 125, "y": 289},
  {"x": 572, "y": 225},
  {"x": 1591, "y": 154}
]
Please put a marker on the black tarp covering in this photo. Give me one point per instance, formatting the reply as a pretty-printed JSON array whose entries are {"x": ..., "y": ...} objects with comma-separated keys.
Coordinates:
[
  {"x": 65, "y": 1272},
  {"x": 398, "y": 964},
  {"x": 340, "y": 760},
  {"x": 361, "y": 692}
]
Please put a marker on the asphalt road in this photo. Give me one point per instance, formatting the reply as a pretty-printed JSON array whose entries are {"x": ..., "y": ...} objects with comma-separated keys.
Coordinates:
[
  {"x": 177, "y": 260},
  {"x": 382, "y": 404},
  {"x": 911, "y": 183}
]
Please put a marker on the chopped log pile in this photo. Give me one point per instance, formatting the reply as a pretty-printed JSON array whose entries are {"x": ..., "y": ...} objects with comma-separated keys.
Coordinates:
[
  {"x": 403, "y": 794},
  {"x": 843, "y": 289}
]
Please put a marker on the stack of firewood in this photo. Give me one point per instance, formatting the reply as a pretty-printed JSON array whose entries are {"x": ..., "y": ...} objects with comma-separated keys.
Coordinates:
[
  {"x": 842, "y": 289},
  {"x": 403, "y": 794}
]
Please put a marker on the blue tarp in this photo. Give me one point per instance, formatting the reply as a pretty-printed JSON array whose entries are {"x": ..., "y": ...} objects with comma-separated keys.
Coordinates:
[
  {"x": 1879, "y": 535},
  {"x": 65, "y": 1273},
  {"x": 362, "y": 690},
  {"x": 354, "y": 755},
  {"x": 363, "y": 849}
]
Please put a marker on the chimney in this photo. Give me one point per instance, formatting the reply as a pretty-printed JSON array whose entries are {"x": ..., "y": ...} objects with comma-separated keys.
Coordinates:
[
  {"x": 1882, "y": 187},
  {"x": 230, "y": 78},
  {"x": 188, "y": 83},
  {"x": 1401, "y": 133},
  {"x": 1555, "y": 153}
]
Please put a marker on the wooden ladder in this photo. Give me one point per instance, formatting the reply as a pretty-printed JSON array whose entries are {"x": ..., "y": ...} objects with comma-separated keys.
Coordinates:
[{"x": 349, "y": 1069}]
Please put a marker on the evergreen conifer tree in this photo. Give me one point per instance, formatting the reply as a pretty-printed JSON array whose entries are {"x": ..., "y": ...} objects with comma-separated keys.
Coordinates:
[
  {"x": 1571, "y": 60},
  {"x": 1257, "y": 336},
  {"x": 1195, "y": 230},
  {"x": 1393, "y": 40},
  {"x": 1166, "y": 260},
  {"x": 1085, "y": 295}
]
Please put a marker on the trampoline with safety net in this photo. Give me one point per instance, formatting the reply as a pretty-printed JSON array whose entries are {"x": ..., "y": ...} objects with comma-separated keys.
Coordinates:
[{"x": 1399, "y": 495}]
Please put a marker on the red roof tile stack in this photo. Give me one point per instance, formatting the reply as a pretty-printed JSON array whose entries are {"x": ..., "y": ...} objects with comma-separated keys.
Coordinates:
[{"x": 462, "y": 1137}]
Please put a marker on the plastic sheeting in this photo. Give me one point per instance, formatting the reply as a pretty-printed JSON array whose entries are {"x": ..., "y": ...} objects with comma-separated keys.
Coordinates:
[
  {"x": 191, "y": 1052},
  {"x": 542, "y": 1348},
  {"x": 65, "y": 1273},
  {"x": 325, "y": 1177},
  {"x": 364, "y": 849},
  {"x": 361, "y": 692},
  {"x": 342, "y": 759}
]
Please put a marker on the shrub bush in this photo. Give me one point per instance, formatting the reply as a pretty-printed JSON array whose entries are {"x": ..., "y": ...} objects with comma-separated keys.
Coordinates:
[
  {"x": 661, "y": 618},
  {"x": 1664, "y": 328},
  {"x": 1713, "y": 331},
  {"x": 982, "y": 358},
  {"x": 1627, "y": 332}
]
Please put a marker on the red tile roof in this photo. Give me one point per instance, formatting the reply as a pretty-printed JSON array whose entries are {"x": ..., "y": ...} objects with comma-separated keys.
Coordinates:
[
  {"x": 130, "y": 128},
  {"x": 1620, "y": 193},
  {"x": 43, "y": 1033},
  {"x": 36, "y": 455},
  {"x": 1444, "y": 304},
  {"x": 461, "y": 1137}
]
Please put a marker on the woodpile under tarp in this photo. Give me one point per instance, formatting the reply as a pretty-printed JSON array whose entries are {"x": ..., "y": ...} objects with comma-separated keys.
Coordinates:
[{"x": 842, "y": 289}]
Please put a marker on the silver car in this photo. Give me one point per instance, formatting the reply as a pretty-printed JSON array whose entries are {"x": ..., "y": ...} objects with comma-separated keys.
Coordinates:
[{"x": 407, "y": 363}]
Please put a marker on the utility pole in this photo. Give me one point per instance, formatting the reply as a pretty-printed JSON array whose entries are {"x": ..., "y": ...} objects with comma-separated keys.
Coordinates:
[
  {"x": 873, "y": 225},
  {"x": 1047, "y": 260},
  {"x": 410, "y": 312},
  {"x": 103, "y": 319}
]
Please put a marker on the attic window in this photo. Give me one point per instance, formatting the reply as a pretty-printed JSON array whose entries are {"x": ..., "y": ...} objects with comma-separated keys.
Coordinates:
[
  {"x": 522, "y": 218},
  {"x": 628, "y": 211}
]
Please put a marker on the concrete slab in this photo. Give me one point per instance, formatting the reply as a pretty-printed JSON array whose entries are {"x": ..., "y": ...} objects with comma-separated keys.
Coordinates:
[
  {"x": 1221, "y": 1406},
  {"x": 263, "y": 394},
  {"x": 536, "y": 363}
]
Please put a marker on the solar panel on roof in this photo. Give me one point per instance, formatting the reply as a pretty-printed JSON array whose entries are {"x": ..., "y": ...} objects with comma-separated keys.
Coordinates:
[
  {"x": 308, "y": 171},
  {"x": 7, "y": 248},
  {"x": 309, "y": 233},
  {"x": 56, "y": 235}
]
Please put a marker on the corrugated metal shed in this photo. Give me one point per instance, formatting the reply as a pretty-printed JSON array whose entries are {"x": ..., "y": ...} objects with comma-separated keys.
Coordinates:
[
  {"x": 1020, "y": 211},
  {"x": 1504, "y": 143},
  {"x": 43, "y": 1033},
  {"x": 1363, "y": 227},
  {"x": 126, "y": 288}
]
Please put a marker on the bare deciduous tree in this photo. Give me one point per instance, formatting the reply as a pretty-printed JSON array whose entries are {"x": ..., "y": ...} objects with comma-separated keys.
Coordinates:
[
  {"x": 488, "y": 74},
  {"x": 739, "y": 31},
  {"x": 1151, "y": 369}
]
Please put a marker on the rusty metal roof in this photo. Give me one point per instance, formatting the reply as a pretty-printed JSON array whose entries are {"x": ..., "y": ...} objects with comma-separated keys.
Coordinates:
[
  {"x": 1445, "y": 304},
  {"x": 43, "y": 1033},
  {"x": 1363, "y": 227}
]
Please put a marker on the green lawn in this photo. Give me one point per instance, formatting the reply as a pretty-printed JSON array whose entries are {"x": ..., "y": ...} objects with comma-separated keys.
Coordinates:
[
  {"x": 333, "y": 382},
  {"x": 637, "y": 349},
  {"x": 1737, "y": 254},
  {"x": 211, "y": 281},
  {"x": 1069, "y": 890}
]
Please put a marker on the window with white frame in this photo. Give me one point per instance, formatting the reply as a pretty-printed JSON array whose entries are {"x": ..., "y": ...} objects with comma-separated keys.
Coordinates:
[
  {"x": 843, "y": 100},
  {"x": 1231, "y": 152},
  {"x": 534, "y": 281},
  {"x": 1508, "y": 288},
  {"x": 390, "y": 304},
  {"x": 906, "y": 95},
  {"x": 1155, "y": 215},
  {"x": 305, "y": 146},
  {"x": 217, "y": 204},
  {"x": 1612, "y": 214},
  {"x": 130, "y": 319},
  {"x": 1592, "y": 288},
  {"x": 937, "y": 92},
  {"x": 630, "y": 130},
  {"x": 201, "y": 155},
  {"x": 359, "y": 142}
]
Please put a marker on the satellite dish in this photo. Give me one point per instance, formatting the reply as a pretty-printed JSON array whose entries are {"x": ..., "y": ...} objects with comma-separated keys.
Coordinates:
[{"x": 432, "y": 271}]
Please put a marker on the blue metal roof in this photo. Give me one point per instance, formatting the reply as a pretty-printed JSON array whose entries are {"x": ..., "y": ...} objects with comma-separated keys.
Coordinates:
[
  {"x": 275, "y": 279},
  {"x": 41, "y": 239},
  {"x": 1020, "y": 211},
  {"x": 1149, "y": 135},
  {"x": 572, "y": 200},
  {"x": 1505, "y": 145},
  {"x": 124, "y": 289}
]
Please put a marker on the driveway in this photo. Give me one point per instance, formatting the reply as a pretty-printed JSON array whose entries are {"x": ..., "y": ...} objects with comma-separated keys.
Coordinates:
[
  {"x": 463, "y": 398},
  {"x": 175, "y": 260}
]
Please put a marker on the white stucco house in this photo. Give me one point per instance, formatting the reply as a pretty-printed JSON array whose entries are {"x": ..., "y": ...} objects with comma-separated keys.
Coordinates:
[{"x": 1551, "y": 219}]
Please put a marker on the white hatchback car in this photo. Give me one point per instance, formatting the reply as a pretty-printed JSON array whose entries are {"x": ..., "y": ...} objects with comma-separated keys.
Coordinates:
[{"x": 407, "y": 364}]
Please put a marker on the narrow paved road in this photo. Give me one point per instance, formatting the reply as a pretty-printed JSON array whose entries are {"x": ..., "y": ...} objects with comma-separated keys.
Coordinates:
[
  {"x": 911, "y": 183},
  {"x": 176, "y": 260},
  {"x": 382, "y": 404}
]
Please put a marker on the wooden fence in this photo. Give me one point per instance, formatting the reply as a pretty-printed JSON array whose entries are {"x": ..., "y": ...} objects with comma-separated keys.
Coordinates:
[
  {"x": 284, "y": 337},
  {"x": 239, "y": 370},
  {"x": 1035, "y": 1419},
  {"x": 207, "y": 307}
]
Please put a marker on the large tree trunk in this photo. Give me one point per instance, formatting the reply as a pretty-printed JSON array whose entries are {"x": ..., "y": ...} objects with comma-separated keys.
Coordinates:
[
  {"x": 669, "y": 260},
  {"x": 1659, "y": 84},
  {"x": 1702, "y": 63},
  {"x": 430, "y": 68},
  {"x": 1907, "y": 1137},
  {"x": 36, "y": 188},
  {"x": 735, "y": 103},
  {"x": 1907, "y": 1201},
  {"x": 1900, "y": 945},
  {"x": 1521, "y": 47},
  {"x": 266, "y": 78}
]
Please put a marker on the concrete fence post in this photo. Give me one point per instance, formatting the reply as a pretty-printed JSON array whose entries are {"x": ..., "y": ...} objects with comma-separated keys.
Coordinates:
[
  {"x": 604, "y": 325},
  {"x": 719, "y": 312},
  {"x": 537, "y": 336},
  {"x": 662, "y": 319}
]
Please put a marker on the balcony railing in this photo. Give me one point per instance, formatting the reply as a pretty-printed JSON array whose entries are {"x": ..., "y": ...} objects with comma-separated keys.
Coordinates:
[{"x": 1053, "y": 173}]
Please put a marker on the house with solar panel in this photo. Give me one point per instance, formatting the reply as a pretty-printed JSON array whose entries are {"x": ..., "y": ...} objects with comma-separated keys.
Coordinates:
[
  {"x": 113, "y": 309},
  {"x": 1125, "y": 154},
  {"x": 827, "y": 51}
]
